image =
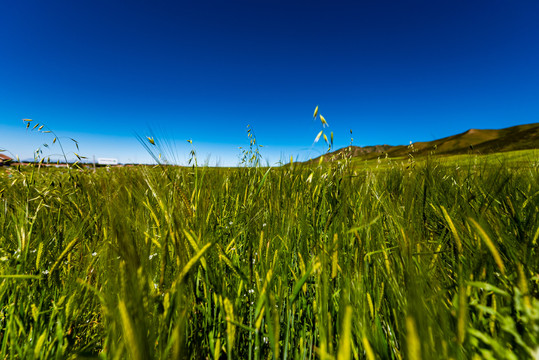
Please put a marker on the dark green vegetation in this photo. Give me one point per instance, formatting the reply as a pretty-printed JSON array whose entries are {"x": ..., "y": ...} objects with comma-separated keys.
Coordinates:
[
  {"x": 337, "y": 261},
  {"x": 520, "y": 137}
]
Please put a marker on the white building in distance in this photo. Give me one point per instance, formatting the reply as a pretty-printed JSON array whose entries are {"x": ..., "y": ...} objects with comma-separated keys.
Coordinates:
[{"x": 107, "y": 161}]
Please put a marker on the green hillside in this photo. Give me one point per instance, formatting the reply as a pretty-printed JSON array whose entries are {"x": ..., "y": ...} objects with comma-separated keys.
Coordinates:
[{"x": 476, "y": 141}]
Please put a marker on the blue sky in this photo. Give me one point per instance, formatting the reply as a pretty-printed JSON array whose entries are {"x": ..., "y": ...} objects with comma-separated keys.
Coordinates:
[{"x": 103, "y": 71}]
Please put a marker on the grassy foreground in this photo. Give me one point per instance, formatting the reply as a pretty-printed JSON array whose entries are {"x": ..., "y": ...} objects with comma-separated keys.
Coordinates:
[{"x": 297, "y": 262}]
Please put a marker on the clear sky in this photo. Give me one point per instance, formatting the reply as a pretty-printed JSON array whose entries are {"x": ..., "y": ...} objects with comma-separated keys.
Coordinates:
[{"x": 392, "y": 71}]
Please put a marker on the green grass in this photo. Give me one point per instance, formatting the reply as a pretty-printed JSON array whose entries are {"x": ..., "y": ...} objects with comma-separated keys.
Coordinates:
[
  {"x": 512, "y": 159},
  {"x": 435, "y": 261},
  {"x": 515, "y": 138}
]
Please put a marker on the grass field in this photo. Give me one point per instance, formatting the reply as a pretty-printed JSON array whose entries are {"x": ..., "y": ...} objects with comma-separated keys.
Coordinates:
[
  {"x": 513, "y": 159},
  {"x": 436, "y": 260}
]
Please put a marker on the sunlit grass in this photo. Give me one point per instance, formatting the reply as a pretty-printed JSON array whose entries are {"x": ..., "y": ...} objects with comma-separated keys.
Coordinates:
[{"x": 341, "y": 260}]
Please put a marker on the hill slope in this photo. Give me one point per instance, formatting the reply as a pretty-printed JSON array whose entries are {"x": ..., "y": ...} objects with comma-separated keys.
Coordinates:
[{"x": 520, "y": 137}]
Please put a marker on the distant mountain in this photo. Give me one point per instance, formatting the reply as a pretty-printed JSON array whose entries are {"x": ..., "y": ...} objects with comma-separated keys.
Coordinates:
[{"x": 478, "y": 141}]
